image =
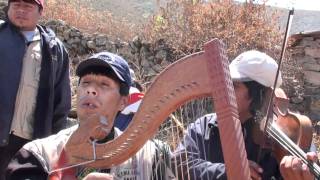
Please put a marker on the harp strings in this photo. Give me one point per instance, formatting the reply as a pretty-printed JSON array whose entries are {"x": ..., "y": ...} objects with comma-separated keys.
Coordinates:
[{"x": 172, "y": 131}]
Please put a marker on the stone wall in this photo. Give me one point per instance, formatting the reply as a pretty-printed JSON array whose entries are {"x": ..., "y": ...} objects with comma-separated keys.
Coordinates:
[
  {"x": 305, "y": 50},
  {"x": 145, "y": 58},
  {"x": 2, "y": 9}
]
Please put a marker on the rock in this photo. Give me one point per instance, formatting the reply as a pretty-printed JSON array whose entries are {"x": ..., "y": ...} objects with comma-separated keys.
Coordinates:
[
  {"x": 66, "y": 34},
  {"x": 315, "y": 103},
  {"x": 77, "y": 40},
  {"x": 146, "y": 44},
  {"x": 296, "y": 99},
  {"x": 150, "y": 72},
  {"x": 120, "y": 44},
  {"x": 137, "y": 42},
  {"x": 75, "y": 61},
  {"x": 3, "y": 5},
  {"x": 84, "y": 43},
  {"x": 318, "y": 43},
  {"x": 91, "y": 45},
  {"x": 73, "y": 41},
  {"x": 134, "y": 49},
  {"x": 313, "y": 52},
  {"x": 315, "y": 107},
  {"x": 75, "y": 32},
  {"x": 306, "y": 59},
  {"x": 157, "y": 68},
  {"x": 161, "y": 55},
  {"x": 82, "y": 51},
  {"x": 145, "y": 63},
  {"x": 145, "y": 52},
  {"x": 311, "y": 67},
  {"x": 110, "y": 46},
  {"x": 308, "y": 42},
  {"x": 101, "y": 40},
  {"x": 125, "y": 53},
  {"x": 297, "y": 50},
  {"x": 311, "y": 90},
  {"x": 312, "y": 77},
  {"x": 59, "y": 30}
]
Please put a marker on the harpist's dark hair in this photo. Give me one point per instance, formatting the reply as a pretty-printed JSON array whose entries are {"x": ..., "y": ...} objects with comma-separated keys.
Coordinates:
[{"x": 257, "y": 92}]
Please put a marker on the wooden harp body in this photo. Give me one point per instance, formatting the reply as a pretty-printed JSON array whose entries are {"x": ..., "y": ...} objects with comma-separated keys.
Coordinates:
[{"x": 198, "y": 75}]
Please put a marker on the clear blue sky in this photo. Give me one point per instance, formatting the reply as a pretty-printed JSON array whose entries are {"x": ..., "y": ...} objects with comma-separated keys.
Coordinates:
[{"x": 296, "y": 4}]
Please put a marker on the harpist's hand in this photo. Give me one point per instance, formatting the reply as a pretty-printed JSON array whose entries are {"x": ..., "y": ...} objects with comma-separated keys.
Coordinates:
[
  {"x": 292, "y": 168},
  {"x": 98, "y": 176},
  {"x": 255, "y": 170}
]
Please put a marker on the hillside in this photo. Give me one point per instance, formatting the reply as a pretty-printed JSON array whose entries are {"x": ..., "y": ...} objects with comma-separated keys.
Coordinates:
[
  {"x": 140, "y": 10},
  {"x": 137, "y": 11}
]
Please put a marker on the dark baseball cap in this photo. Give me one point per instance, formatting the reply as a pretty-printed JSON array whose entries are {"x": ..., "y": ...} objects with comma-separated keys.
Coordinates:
[
  {"x": 39, "y": 2},
  {"x": 109, "y": 60}
]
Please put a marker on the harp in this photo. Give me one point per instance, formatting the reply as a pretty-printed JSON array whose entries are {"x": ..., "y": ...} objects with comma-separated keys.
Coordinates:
[{"x": 203, "y": 74}]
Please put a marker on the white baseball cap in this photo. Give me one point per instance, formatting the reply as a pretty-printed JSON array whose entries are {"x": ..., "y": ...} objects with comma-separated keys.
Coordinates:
[{"x": 255, "y": 66}]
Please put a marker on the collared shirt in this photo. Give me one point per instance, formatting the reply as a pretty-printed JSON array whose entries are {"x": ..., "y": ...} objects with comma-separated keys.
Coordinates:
[{"x": 23, "y": 118}]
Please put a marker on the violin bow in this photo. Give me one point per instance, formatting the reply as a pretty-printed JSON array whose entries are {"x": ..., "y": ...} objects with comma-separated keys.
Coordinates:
[
  {"x": 269, "y": 113},
  {"x": 283, "y": 50}
]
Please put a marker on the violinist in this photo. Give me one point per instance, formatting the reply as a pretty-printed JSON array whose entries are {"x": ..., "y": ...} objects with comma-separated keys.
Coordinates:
[{"x": 253, "y": 75}]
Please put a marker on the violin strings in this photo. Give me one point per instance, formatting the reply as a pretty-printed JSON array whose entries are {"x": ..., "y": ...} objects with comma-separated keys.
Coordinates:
[
  {"x": 312, "y": 166},
  {"x": 291, "y": 147}
]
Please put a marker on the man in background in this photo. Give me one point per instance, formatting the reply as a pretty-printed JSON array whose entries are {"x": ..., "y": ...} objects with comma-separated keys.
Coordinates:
[{"x": 34, "y": 75}]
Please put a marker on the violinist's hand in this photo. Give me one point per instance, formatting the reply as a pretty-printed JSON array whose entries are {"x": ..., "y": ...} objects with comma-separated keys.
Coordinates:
[
  {"x": 98, "y": 176},
  {"x": 292, "y": 168},
  {"x": 255, "y": 170}
]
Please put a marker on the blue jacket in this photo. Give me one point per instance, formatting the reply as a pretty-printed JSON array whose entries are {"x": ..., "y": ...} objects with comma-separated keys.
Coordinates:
[
  {"x": 204, "y": 152},
  {"x": 54, "y": 94}
]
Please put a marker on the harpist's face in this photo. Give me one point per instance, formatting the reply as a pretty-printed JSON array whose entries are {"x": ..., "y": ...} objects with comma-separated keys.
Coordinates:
[
  {"x": 99, "y": 95},
  {"x": 243, "y": 100}
]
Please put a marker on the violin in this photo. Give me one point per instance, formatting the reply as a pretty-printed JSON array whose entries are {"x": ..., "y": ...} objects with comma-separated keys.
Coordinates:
[
  {"x": 289, "y": 133},
  {"x": 296, "y": 126},
  {"x": 286, "y": 133}
]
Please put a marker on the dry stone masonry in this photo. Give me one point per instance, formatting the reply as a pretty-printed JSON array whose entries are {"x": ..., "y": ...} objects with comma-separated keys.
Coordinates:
[{"x": 306, "y": 52}]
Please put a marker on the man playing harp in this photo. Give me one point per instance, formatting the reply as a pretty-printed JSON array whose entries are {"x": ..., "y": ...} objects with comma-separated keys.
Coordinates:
[
  {"x": 102, "y": 93},
  {"x": 200, "y": 154}
]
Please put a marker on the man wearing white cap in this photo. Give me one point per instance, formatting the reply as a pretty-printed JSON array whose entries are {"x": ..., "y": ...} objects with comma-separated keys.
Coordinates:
[{"x": 253, "y": 74}]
